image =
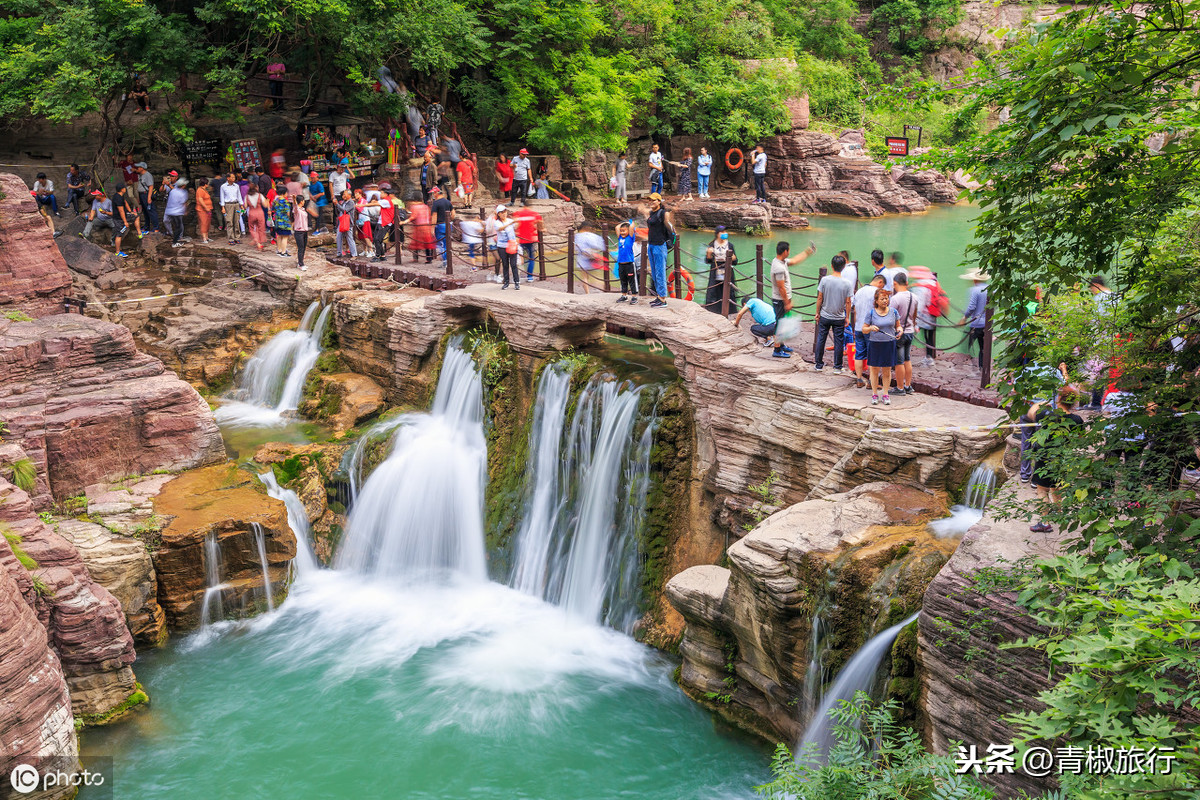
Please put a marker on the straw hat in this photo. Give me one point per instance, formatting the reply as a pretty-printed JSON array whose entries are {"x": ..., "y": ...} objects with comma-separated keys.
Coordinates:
[{"x": 975, "y": 275}]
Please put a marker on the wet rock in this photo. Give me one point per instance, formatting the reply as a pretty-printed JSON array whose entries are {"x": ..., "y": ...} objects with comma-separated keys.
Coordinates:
[{"x": 342, "y": 400}]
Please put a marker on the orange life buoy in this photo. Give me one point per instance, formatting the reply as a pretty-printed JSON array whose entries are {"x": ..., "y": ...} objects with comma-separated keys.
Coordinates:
[
  {"x": 729, "y": 162},
  {"x": 687, "y": 281}
]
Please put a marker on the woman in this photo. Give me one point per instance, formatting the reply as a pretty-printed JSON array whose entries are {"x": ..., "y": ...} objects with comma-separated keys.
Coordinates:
[
  {"x": 704, "y": 171},
  {"x": 345, "y": 226},
  {"x": 300, "y": 225},
  {"x": 204, "y": 207},
  {"x": 620, "y": 172},
  {"x": 256, "y": 210},
  {"x": 283, "y": 220},
  {"x": 364, "y": 231},
  {"x": 717, "y": 253},
  {"x": 882, "y": 328},
  {"x": 683, "y": 186},
  {"x": 422, "y": 231},
  {"x": 504, "y": 174},
  {"x": 506, "y": 248}
]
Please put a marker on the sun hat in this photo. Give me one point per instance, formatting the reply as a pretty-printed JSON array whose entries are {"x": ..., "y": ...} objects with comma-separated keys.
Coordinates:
[
  {"x": 975, "y": 275},
  {"x": 179, "y": 184}
]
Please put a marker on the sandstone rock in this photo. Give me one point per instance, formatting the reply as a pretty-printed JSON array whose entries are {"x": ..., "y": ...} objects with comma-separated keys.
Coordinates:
[
  {"x": 853, "y": 136},
  {"x": 34, "y": 279},
  {"x": 343, "y": 400},
  {"x": 86, "y": 405},
  {"x": 859, "y": 561},
  {"x": 86, "y": 257},
  {"x": 930, "y": 184},
  {"x": 225, "y": 502}
]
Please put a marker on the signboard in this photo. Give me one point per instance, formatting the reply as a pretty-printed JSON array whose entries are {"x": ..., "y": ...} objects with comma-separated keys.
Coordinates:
[
  {"x": 916, "y": 128},
  {"x": 203, "y": 151},
  {"x": 897, "y": 145},
  {"x": 245, "y": 155}
]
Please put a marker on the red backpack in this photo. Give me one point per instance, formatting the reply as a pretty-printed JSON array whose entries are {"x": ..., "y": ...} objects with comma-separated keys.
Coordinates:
[{"x": 939, "y": 301}]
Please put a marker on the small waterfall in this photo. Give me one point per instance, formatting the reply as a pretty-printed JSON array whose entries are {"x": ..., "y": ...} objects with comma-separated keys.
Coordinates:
[
  {"x": 421, "y": 510},
  {"x": 352, "y": 462},
  {"x": 273, "y": 380},
  {"x": 212, "y": 607},
  {"x": 305, "y": 562},
  {"x": 860, "y": 674},
  {"x": 577, "y": 546},
  {"x": 260, "y": 541},
  {"x": 814, "y": 677},
  {"x": 981, "y": 487}
]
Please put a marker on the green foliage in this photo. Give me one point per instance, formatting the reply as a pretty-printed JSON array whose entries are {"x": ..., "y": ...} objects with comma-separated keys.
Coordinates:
[
  {"x": 289, "y": 469},
  {"x": 14, "y": 542},
  {"x": 766, "y": 503},
  {"x": 873, "y": 757},
  {"x": 913, "y": 27},
  {"x": 719, "y": 97},
  {"x": 17, "y": 316},
  {"x": 46, "y": 517},
  {"x": 24, "y": 475}
]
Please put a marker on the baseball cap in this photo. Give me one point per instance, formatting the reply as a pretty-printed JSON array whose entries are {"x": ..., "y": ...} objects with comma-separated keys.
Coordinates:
[
  {"x": 173, "y": 174},
  {"x": 720, "y": 228},
  {"x": 97, "y": 193},
  {"x": 433, "y": 189},
  {"x": 312, "y": 174},
  {"x": 501, "y": 207},
  {"x": 655, "y": 196},
  {"x": 142, "y": 165},
  {"x": 523, "y": 152}
]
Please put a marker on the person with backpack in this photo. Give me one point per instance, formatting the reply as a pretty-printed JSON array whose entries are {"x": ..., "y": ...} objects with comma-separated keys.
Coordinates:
[{"x": 905, "y": 304}]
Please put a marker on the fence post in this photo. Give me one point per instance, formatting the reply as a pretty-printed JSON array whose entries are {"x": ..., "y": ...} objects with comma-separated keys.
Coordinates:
[
  {"x": 396, "y": 231},
  {"x": 449, "y": 248},
  {"x": 642, "y": 270},
  {"x": 541, "y": 258},
  {"x": 678, "y": 272},
  {"x": 607, "y": 265},
  {"x": 758, "y": 263},
  {"x": 985, "y": 350},
  {"x": 570, "y": 261},
  {"x": 728, "y": 287}
]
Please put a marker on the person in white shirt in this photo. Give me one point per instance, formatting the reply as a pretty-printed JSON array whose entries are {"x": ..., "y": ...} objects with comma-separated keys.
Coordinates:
[
  {"x": 176, "y": 210},
  {"x": 43, "y": 192},
  {"x": 232, "y": 205},
  {"x": 520, "y": 186},
  {"x": 656, "y": 169},
  {"x": 339, "y": 182},
  {"x": 760, "y": 175},
  {"x": 472, "y": 236}
]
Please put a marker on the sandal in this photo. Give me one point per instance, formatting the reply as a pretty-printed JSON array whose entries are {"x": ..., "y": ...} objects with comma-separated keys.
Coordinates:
[{"x": 859, "y": 383}]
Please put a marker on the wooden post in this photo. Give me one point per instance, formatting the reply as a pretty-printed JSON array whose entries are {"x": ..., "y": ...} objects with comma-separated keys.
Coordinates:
[
  {"x": 570, "y": 261},
  {"x": 758, "y": 261},
  {"x": 728, "y": 287},
  {"x": 678, "y": 272},
  {"x": 541, "y": 258},
  {"x": 607, "y": 266},
  {"x": 396, "y": 229},
  {"x": 985, "y": 348},
  {"x": 642, "y": 270},
  {"x": 449, "y": 249}
]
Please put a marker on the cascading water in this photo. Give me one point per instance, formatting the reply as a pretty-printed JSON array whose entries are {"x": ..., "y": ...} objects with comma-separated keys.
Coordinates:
[
  {"x": 860, "y": 674},
  {"x": 814, "y": 677},
  {"x": 212, "y": 607},
  {"x": 981, "y": 487},
  {"x": 273, "y": 381},
  {"x": 260, "y": 541},
  {"x": 304, "y": 562},
  {"x": 355, "y": 458},
  {"x": 421, "y": 510},
  {"x": 577, "y": 546}
]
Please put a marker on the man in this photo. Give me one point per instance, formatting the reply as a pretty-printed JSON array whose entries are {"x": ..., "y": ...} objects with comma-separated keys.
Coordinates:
[
  {"x": 529, "y": 230},
  {"x": 760, "y": 174},
  {"x": 317, "y": 193},
  {"x": 443, "y": 212},
  {"x": 43, "y": 193},
  {"x": 145, "y": 190},
  {"x": 833, "y": 307},
  {"x": 339, "y": 182},
  {"x": 428, "y": 176},
  {"x": 387, "y": 215},
  {"x": 781, "y": 286},
  {"x": 124, "y": 213},
  {"x": 893, "y": 269},
  {"x": 214, "y": 190},
  {"x": 433, "y": 118},
  {"x": 520, "y": 187},
  {"x": 1106, "y": 301},
  {"x": 906, "y": 305},
  {"x": 101, "y": 216},
  {"x": 231, "y": 204},
  {"x": 976, "y": 313},
  {"x": 77, "y": 186},
  {"x": 466, "y": 178},
  {"x": 1060, "y": 422},
  {"x": 658, "y": 229},
  {"x": 863, "y": 301},
  {"x": 656, "y": 169},
  {"x": 877, "y": 268},
  {"x": 453, "y": 149},
  {"x": 764, "y": 319},
  {"x": 264, "y": 180},
  {"x": 176, "y": 210}
]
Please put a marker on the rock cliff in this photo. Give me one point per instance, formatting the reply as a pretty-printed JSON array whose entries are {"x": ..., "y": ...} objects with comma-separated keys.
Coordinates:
[
  {"x": 804, "y": 590},
  {"x": 34, "y": 279}
]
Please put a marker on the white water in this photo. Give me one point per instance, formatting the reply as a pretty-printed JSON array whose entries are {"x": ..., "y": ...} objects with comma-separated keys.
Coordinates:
[
  {"x": 356, "y": 455},
  {"x": 304, "y": 562},
  {"x": 981, "y": 487},
  {"x": 261, "y": 543},
  {"x": 421, "y": 510},
  {"x": 273, "y": 381},
  {"x": 814, "y": 677},
  {"x": 860, "y": 674},
  {"x": 212, "y": 607},
  {"x": 577, "y": 546}
]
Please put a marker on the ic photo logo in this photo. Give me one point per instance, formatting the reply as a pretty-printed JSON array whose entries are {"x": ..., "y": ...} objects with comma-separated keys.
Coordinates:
[{"x": 24, "y": 779}]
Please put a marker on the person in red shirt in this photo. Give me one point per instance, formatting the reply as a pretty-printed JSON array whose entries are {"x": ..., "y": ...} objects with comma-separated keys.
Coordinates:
[
  {"x": 504, "y": 173},
  {"x": 278, "y": 161},
  {"x": 466, "y": 177},
  {"x": 128, "y": 170},
  {"x": 529, "y": 230},
  {"x": 387, "y": 215}
]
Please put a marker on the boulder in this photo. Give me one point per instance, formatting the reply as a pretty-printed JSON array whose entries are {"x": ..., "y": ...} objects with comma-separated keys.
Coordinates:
[
  {"x": 342, "y": 399},
  {"x": 86, "y": 257},
  {"x": 34, "y": 278},
  {"x": 930, "y": 184}
]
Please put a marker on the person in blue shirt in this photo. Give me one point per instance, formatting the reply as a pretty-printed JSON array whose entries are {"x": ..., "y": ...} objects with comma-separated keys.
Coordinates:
[
  {"x": 704, "y": 170},
  {"x": 976, "y": 313},
  {"x": 625, "y": 263},
  {"x": 316, "y": 191},
  {"x": 764, "y": 319}
]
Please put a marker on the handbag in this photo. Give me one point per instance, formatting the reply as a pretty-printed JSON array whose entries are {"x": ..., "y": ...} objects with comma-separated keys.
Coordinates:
[
  {"x": 512, "y": 248},
  {"x": 344, "y": 223}
]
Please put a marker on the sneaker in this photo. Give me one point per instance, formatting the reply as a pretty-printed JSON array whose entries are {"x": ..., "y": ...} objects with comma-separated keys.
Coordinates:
[
  {"x": 1040, "y": 527},
  {"x": 818, "y": 367},
  {"x": 781, "y": 354},
  {"x": 141, "y": 235},
  {"x": 909, "y": 390},
  {"x": 122, "y": 254},
  {"x": 768, "y": 343},
  {"x": 505, "y": 286},
  {"x": 633, "y": 301},
  {"x": 788, "y": 349},
  {"x": 517, "y": 286},
  {"x": 860, "y": 383},
  {"x": 622, "y": 299},
  {"x": 57, "y": 234},
  {"x": 874, "y": 399},
  {"x": 838, "y": 370},
  {"x": 656, "y": 303},
  {"x": 204, "y": 241},
  {"x": 177, "y": 244},
  {"x": 303, "y": 268},
  {"x": 1025, "y": 479},
  {"x": 887, "y": 401}
]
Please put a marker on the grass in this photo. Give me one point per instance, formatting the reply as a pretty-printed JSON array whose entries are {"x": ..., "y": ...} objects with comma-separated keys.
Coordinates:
[
  {"x": 25, "y": 475},
  {"x": 14, "y": 542},
  {"x": 137, "y": 698},
  {"x": 17, "y": 316}
]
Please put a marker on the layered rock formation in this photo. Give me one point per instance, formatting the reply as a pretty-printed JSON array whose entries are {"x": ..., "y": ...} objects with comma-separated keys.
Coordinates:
[
  {"x": 225, "y": 503},
  {"x": 754, "y": 650},
  {"x": 34, "y": 279},
  {"x": 87, "y": 406},
  {"x": 706, "y": 215}
]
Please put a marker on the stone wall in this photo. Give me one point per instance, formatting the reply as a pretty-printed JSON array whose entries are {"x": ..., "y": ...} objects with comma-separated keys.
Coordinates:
[{"x": 34, "y": 279}]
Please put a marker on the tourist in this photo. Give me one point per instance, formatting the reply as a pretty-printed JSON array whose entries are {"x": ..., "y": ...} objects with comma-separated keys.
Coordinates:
[
  {"x": 428, "y": 176},
  {"x": 101, "y": 216},
  {"x": 339, "y": 182},
  {"x": 140, "y": 94},
  {"x": 528, "y": 225},
  {"x": 422, "y": 240},
  {"x": 466, "y": 179},
  {"x": 906, "y": 305},
  {"x": 703, "y": 171},
  {"x": 145, "y": 189},
  {"x": 176, "y": 210},
  {"x": 924, "y": 288},
  {"x": 781, "y": 286},
  {"x": 1106, "y": 301},
  {"x": 882, "y": 328},
  {"x": 443, "y": 211},
  {"x": 233, "y": 206},
  {"x": 265, "y": 184},
  {"x": 833, "y": 308},
  {"x": 504, "y": 174},
  {"x": 214, "y": 190},
  {"x": 879, "y": 269},
  {"x": 893, "y": 269},
  {"x": 257, "y": 210},
  {"x": 976, "y": 313},
  {"x": 454, "y": 150},
  {"x": 655, "y": 162},
  {"x": 433, "y": 120},
  {"x": 344, "y": 240},
  {"x": 506, "y": 248},
  {"x": 589, "y": 254},
  {"x": 303, "y": 213},
  {"x": 320, "y": 198},
  {"x": 764, "y": 320},
  {"x": 363, "y": 216},
  {"x": 43, "y": 193},
  {"x": 760, "y": 174},
  {"x": 124, "y": 213},
  {"x": 422, "y": 143},
  {"x": 658, "y": 229},
  {"x": 620, "y": 171},
  {"x": 77, "y": 187},
  {"x": 383, "y": 226},
  {"x": 294, "y": 187},
  {"x": 1061, "y": 422},
  {"x": 472, "y": 236},
  {"x": 719, "y": 251},
  {"x": 850, "y": 271},
  {"x": 541, "y": 188},
  {"x": 626, "y": 240},
  {"x": 128, "y": 169},
  {"x": 204, "y": 209},
  {"x": 276, "y": 164},
  {"x": 282, "y": 211},
  {"x": 683, "y": 185},
  {"x": 520, "y": 184},
  {"x": 863, "y": 301}
]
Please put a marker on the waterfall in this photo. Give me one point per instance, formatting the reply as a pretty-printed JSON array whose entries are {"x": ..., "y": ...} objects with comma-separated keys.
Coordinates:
[
  {"x": 273, "y": 381},
  {"x": 212, "y": 607},
  {"x": 858, "y": 675},
  {"x": 352, "y": 462},
  {"x": 261, "y": 543},
  {"x": 304, "y": 562},
  {"x": 577, "y": 546},
  {"x": 814, "y": 678},
  {"x": 421, "y": 510},
  {"x": 981, "y": 487}
]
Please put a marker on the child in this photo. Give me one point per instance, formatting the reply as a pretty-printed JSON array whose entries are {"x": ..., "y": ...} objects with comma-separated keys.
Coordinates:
[{"x": 625, "y": 257}]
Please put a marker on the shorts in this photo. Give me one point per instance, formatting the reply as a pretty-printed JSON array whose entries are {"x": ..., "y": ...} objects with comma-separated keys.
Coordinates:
[
  {"x": 881, "y": 354},
  {"x": 903, "y": 345},
  {"x": 860, "y": 346}
]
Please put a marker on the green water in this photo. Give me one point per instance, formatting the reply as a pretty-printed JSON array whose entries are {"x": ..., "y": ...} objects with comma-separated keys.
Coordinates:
[{"x": 356, "y": 690}]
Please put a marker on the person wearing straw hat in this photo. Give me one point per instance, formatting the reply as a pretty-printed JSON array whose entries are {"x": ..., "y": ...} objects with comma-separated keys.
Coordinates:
[{"x": 976, "y": 314}]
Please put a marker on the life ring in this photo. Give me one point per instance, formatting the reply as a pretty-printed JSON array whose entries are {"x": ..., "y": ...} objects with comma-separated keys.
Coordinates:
[
  {"x": 687, "y": 280},
  {"x": 729, "y": 162}
]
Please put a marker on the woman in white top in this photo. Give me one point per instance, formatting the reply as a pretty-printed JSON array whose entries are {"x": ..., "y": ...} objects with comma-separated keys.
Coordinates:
[{"x": 300, "y": 220}]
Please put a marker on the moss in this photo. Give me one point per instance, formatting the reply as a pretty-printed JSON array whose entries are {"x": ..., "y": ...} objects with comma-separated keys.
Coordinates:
[
  {"x": 17, "y": 316},
  {"x": 904, "y": 683},
  {"x": 136, "y": 698}
]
